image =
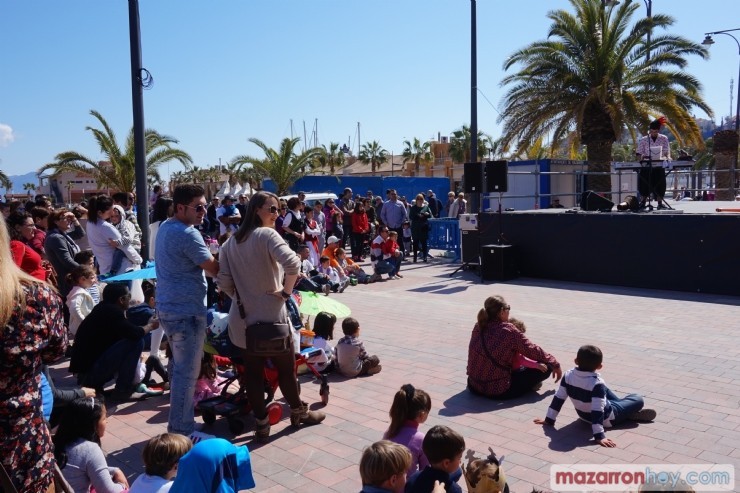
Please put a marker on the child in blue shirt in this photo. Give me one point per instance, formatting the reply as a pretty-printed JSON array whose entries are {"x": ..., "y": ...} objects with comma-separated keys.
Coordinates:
[{"x": 444, "y": 448}]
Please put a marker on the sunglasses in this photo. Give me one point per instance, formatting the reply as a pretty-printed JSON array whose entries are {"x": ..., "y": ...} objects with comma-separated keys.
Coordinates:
[
  {"x": 273, "y": 209},
  {"x": 506, "y": 307},
  {"x": 198, "y": 208}
]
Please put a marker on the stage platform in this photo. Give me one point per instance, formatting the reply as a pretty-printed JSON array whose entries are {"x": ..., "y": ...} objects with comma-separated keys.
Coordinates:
[{"x": 688, "y": 250}]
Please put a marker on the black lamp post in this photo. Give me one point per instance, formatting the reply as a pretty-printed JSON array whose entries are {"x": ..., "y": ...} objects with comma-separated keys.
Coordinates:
[
  {"x": 708, "y": 41},
  {"x": 475, "y": 198}
]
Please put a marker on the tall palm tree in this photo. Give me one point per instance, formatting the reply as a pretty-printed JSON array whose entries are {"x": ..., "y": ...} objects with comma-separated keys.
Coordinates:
[
  {"x": 252, "y": 176},
  {"x": 373, "y": 154},
  {"x": 332, "y": 158},
  {"x": 5, "y": 181},
  {"x": 460, "y": 144},
  {"x": 29, "y": 187},
  {"x": 118, "y": 170},
  {"x": 590, "y": 81},
  {"x": 283, "y": 166},
  {"x": 417, "y": 152}
]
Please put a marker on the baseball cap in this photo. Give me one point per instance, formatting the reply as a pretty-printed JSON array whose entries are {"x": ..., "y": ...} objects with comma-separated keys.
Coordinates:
[
  {"x": 332, "y": 239},
  {"x": 430, "y": 192},
  {"x": 228, "y": 197}
]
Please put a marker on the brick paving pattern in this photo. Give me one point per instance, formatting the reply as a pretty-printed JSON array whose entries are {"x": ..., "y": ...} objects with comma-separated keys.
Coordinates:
[{"x": 677, "y": 349}]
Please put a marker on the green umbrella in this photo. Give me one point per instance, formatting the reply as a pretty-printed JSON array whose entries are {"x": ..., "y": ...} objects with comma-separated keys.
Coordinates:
[{"x": 312, "y": 304}]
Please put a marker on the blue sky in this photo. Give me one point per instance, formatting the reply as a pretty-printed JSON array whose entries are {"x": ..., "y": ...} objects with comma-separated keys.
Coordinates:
[{"x": 227, "y": 70}]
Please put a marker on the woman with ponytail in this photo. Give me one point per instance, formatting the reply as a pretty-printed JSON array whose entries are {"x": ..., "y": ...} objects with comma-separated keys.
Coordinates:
[
  {"x": 494, "y": 344},
  {"x": 410, "y": 408}
]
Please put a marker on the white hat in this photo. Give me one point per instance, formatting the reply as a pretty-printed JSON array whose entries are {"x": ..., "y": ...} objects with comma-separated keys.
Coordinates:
[{"x": 332, "y": 239}]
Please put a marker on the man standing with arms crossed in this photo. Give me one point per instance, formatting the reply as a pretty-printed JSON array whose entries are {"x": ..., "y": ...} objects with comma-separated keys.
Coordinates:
[{"x": 181, "y": 259}]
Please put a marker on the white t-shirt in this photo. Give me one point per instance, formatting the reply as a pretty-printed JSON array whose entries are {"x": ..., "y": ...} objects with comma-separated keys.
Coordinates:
[{"x": 150, "y": 484}]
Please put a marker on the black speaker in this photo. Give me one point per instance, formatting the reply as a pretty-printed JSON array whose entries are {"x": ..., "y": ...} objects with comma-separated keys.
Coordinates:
[
  {"x": 498, "y": 262},
  {"x": 497, "y": 176},
  {"x": 470, "y": 243},
  {"x": 473, "y": 178},
  {"x": 591, "y": 201}
]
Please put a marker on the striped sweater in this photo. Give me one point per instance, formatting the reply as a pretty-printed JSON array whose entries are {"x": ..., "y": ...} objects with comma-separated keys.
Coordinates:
[{"x": 587, "y": 391}]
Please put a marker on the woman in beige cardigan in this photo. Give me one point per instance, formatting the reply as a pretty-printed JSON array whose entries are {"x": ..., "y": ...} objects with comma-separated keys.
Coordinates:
[{"x": 258, "y": 264}]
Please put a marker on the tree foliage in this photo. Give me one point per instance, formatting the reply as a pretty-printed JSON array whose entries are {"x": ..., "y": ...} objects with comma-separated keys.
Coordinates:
[
  {"x": 118, "y": 170},
  {"x": 373, "y": 154}
]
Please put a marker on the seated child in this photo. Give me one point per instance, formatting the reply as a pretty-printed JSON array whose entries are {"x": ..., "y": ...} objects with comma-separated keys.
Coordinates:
[
  {"x": 144, "y": 369},
  {"x": 86, "y": 257},
  {"x": 444, "y": 448},
  {"x": 161, "y": 456},
  {"x": 209, "y": 381},
  {"x": 392, "y": 254},
  {"x": 309, "y": 278},
  {"x": 124, "y": 246},
  {"x": 593, "y": 400},
  {"x": 521, "y": 361},
  {"x": 323, "y": 328},
  {"x": 335, "y": 282},
  {"x": 410, "y": 408},
  {"x": 406, "y": 237},
  {"x": 350, "y": 268},
  {"x": 352, "y": 359},
  {"x": 215, "y": 465},
  {"x": 383, "y": 467},
  {"x": 142, "y": 313}
]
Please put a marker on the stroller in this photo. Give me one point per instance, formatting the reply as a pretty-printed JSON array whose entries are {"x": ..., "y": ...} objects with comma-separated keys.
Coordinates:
[{"x": 234, "y": 404}]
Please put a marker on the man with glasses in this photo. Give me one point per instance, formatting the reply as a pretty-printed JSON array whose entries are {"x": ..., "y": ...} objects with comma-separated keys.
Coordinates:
[
  {"x": 181, "y": 259},
  {"x": 393, "y": 215}
]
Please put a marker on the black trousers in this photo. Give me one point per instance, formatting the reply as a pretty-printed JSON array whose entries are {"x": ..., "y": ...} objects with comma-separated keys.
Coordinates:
[
  {"x": 522, "y": 382},
  {"x": 651, "y": 181}
]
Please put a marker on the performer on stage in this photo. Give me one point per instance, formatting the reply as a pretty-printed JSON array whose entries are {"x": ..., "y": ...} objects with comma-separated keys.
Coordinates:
[{"x": 652, "y": 179}]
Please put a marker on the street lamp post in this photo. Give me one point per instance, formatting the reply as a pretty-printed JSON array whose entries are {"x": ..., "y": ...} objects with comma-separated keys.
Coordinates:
[
  {"x": 475, "y": 202},
  {"x": 708, "y": 41}
]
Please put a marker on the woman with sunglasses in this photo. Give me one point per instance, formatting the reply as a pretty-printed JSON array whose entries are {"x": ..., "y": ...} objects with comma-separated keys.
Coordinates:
[
  {"x": 260, "y": 269},
  {"x": 494, "y": 344}
]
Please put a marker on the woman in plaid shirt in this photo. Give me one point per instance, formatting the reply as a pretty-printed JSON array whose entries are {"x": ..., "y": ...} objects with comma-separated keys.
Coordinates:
[{"x": 493, "y": 345}]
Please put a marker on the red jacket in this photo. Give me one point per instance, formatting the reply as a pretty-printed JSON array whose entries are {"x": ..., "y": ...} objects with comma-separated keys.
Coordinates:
[
  {"x": 360, "y": 223},
  {"x": 28, "y": 260},
  {"x": 389, "y": 247}
]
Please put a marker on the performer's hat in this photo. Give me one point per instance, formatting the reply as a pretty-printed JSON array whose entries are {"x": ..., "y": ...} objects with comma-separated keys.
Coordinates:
[{"x": 656, "y": 124}]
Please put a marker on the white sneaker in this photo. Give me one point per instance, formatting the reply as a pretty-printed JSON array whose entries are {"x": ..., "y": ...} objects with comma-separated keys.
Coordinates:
[
  {"x": 344, "y": 285},
  {"x": 326, "y": 289}
]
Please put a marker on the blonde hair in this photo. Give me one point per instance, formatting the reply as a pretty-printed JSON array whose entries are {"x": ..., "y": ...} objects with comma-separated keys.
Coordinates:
[
  {"x": 382, "y": 460},
  {"x": 492, "y": 307},
  {"x": 12, "y": 278}
]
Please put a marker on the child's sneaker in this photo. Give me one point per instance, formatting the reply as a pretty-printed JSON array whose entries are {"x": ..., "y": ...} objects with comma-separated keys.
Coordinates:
[
  {"x": 374, "y": 370},
  {"x": 344, "y": 285},
  {"x": 645, "y": 415},
  {"x": 143, "y": 389},
  {"x": 326, "y": 289}
]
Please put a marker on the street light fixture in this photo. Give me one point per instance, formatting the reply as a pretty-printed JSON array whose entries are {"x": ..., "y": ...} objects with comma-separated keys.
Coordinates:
[{"x": 708, "y": 41}]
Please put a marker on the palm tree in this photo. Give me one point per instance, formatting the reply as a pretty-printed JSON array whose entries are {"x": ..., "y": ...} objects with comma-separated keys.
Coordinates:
[
  {"x": 5, "y": 181},
  {"x": 283, "y": 166},
  {"x": 30, "y": 187},
  {"x": 417, "y": 152},
  {"x": 373, "y": 154},
  {"x": 590, "y": 81},
  {"x": 460, "y": 144},
  {"x": 333, "y": 158},
  {"x": 118, "y": 170},
  {"x": 252, "y": 176}
]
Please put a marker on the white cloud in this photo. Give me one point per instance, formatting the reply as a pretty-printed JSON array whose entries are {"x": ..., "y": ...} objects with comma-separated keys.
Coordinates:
[{"x": 6, "y": 135}]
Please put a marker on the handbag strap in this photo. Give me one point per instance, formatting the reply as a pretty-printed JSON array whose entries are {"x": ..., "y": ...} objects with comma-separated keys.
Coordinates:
[{"x": 239, "y": 304}]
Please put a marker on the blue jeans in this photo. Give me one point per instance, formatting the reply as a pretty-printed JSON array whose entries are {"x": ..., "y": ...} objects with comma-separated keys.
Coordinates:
[
  {"x": 186, "y": 335},
  {"x": 624, "y": 407},
  {"x": 122, "y": 358},
  {"x": 384, "y": 267}
]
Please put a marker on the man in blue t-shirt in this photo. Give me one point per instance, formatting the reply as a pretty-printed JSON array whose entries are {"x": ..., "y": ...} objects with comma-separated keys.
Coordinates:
[{"x": 181, "y": 258}]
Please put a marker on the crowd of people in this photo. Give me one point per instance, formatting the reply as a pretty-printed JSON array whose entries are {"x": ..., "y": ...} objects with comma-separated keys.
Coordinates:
[{"x": 52, "y": 305}]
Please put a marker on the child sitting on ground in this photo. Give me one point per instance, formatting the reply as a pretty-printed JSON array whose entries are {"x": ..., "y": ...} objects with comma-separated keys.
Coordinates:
[
  {"x": 444, "y": 448},
  {"x": 521, "y": 361},
  {"x": 161, "y": 456},
  {"x": 383, "y": 467},
  {"x": 352, "y": 359},
  {"x": 593, "y": 400},
  {"x": 335, "y": 281},
  {"x": 350, "y": 268},
  {"x": 410, "y": 408},
  {"x": 79, "y": 301},
  {"x": 209, "y": 383},
  {"x": 323, "y": 328}
]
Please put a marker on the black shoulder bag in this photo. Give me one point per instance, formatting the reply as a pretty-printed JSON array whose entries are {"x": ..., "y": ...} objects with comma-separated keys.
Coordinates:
[{"x": 265, "y": 339}]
